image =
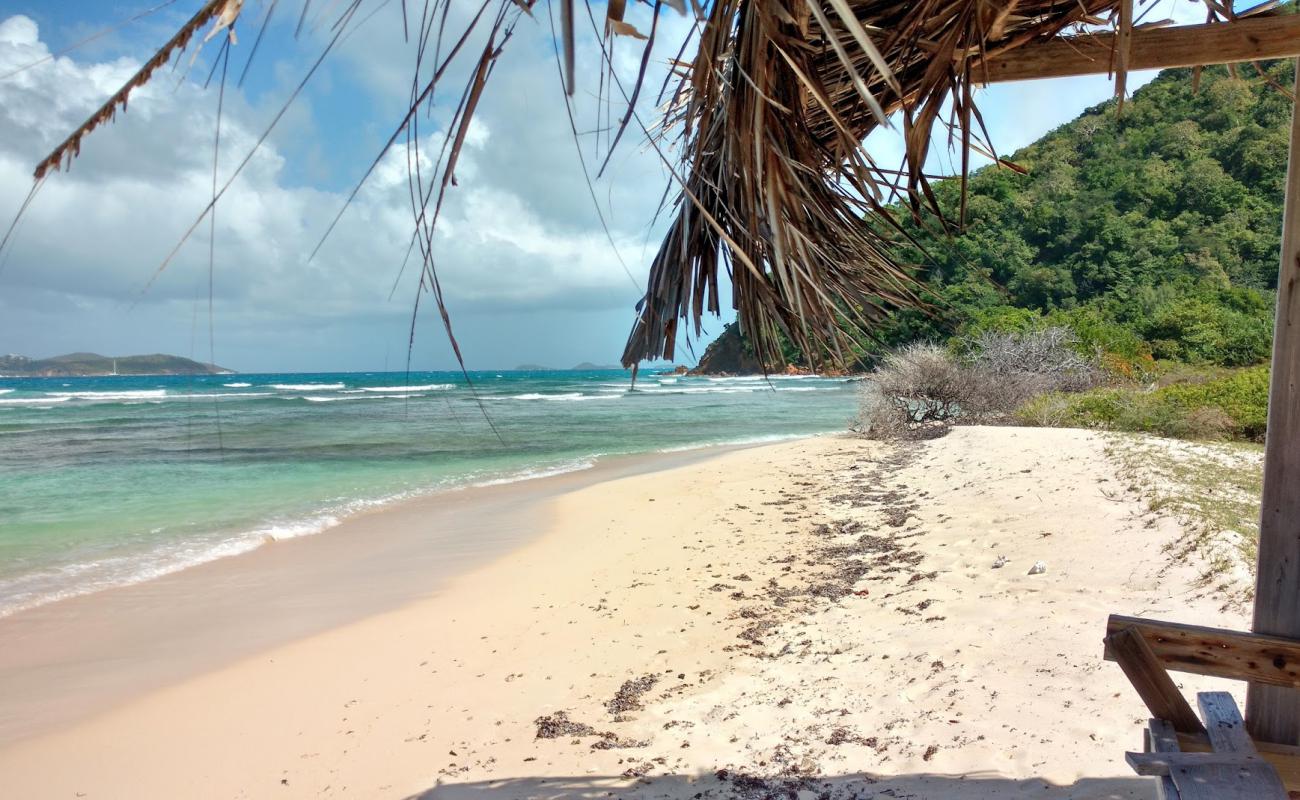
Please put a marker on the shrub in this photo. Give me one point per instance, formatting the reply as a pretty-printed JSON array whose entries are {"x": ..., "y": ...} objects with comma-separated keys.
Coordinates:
[
  {"x": 1242, "y": 396},
  {"x": 1203, "y": 332},
  {"x": 1003, "y": 319},
  {"x": 912, "y": 388},
  {"x": 924, "y": 385},
  {"x": 1235, "y": 406},
  {"x": 1038, "y": 360}
]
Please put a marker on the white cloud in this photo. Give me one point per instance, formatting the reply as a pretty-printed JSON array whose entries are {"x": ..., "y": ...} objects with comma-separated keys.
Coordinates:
[{"x": 518, "y": 233}]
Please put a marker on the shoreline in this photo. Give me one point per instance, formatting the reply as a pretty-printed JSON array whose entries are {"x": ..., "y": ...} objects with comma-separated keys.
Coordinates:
[
  {"x": 325, "y": 519},
  {"x": 206, "y": 615},
  {"x": 796, "y": 620}
]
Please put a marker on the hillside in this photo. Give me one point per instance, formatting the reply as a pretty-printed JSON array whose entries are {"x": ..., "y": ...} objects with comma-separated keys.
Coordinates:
[
  {"x": 1158, "y": 228},
  {"x": 1153, "y": 233},
  {"x": 78, "y": 364}
]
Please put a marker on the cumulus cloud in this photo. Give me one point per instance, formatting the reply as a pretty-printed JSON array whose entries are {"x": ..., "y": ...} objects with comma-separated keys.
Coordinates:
[
  {"x": 140, "y": 183},
  {"x": 518, "y": 234}
]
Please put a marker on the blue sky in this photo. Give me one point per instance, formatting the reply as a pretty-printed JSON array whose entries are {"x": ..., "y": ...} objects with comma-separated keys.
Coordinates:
[{"x": 527, "y": 269}]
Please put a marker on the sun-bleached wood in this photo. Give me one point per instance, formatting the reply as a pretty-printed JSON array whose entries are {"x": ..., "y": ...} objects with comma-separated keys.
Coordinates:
[
  {"x": 1150, "y": 48},
  {"x": 1273, "y": 713}
]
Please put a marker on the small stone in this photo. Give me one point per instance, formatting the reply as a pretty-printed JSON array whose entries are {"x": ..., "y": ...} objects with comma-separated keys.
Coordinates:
[
  {"x": 1038, "y": 568},
  {"x": 1000, "y": 563}
]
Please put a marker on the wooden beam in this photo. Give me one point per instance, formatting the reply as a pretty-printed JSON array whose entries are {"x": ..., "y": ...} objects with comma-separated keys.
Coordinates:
[
  {"x": 1273, "y": 714},
  {"x": 1254, "y": 39},
  {"x": 1217, "y": 652},
  {"x": 1162, "y": 764},
  {"x": 1153, "y": 684}
]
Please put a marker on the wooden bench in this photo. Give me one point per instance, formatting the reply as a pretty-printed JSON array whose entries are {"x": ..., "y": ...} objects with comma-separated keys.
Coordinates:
[
  {"x": 1214, "y": 758},
  {"x": 1232, "y": 770}
]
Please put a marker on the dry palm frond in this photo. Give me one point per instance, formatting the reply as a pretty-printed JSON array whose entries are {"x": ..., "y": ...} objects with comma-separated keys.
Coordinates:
[
  {"x": 224, "y": 10},
  {"x": 772, "y": 115}
]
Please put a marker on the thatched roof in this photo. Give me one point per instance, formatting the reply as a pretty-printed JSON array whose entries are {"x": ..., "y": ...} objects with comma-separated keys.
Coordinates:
[{"x": 770, "y": 178}]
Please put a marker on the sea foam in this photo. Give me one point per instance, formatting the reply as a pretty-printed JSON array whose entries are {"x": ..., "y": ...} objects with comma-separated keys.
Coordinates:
[{"x": 137, "y": 394}]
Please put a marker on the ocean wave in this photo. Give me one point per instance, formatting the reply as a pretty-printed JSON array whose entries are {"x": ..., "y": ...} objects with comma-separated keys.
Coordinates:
[
  {"x": 428, "y": 387},
  {"x": 540, "y": 396},
  {"x": 330, "y": 399},
  {"x": 293, "y": 530},
  {"x": 571, "y": 397},
  {"x": 236, "y": 385},
  {"x": 135, "y": 394},
  {"x": 205, "y": 395},
  {"x": 738, "y": 442},
  {"x": 6, "y": 391},
  {"x": 539, "y": 472},
  {"x": 700, "y": 389},
  {"x": 306, "y": 387},
  {"x": 33, "y": 401}
]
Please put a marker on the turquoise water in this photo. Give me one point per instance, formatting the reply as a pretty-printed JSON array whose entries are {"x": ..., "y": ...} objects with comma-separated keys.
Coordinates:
[{"x": 113, "y": 480}]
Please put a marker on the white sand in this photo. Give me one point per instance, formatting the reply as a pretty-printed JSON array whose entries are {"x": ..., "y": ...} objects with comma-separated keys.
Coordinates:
[{"x": 936, "y": 676}]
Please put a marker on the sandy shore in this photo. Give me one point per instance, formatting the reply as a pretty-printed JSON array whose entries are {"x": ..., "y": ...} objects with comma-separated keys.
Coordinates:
[{"x": 811, "y": 619}]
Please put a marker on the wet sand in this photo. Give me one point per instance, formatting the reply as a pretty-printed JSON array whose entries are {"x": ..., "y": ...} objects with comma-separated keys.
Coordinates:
[{"x": 812, "y": 619}]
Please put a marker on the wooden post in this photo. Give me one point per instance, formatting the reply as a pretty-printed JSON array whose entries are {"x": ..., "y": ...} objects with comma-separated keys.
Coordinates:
[{"x": 1273, "y": 712}]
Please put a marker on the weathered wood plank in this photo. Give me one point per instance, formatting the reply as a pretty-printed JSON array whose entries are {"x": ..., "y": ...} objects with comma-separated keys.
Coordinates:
[
  {"x": 1152, "y": 683},
  {"x": 1161, "y": 764},
  {"x": 1284, "y": 758},
  {"x": 1274, "y": 714},
  {"x": 1227, "y": 783},
  {"x": 1237, "y": 655},
  {"x": 1223, "y": 723},
  {"x": 1150, "y": 48}
]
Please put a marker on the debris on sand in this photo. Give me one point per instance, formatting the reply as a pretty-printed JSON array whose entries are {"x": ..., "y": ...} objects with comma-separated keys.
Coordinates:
[
  {"x": 558, "y": 725},
  {"x": 1038, "y": 568},
  {"x": 628, "y": 697},
  {"x": 612, "y": 741}
]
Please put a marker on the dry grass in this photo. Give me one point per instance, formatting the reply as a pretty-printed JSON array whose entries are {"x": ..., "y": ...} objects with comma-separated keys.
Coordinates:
[{"x": 1213, "y": 490}]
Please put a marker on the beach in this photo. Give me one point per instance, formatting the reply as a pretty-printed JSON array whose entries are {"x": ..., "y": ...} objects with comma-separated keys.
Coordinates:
[{"x": 815, "y": 618}]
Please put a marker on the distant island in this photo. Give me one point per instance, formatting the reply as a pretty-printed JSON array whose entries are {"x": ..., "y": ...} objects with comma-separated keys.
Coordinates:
[
  {"x": 585, "y": 366},
  {"x": 91, "y": 364}
]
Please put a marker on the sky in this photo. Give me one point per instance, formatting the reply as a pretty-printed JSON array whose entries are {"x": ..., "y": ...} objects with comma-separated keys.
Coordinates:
[{"x": 528, "y": 271}]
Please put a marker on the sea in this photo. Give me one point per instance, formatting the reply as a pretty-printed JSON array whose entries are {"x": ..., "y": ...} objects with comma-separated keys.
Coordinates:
[{"x": 108, "y": 481}]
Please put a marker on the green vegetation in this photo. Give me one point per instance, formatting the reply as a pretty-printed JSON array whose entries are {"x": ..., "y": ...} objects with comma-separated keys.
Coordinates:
[
  {"x": 1232, "y": 406},
  {"x": 1153, "y": 234}
]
